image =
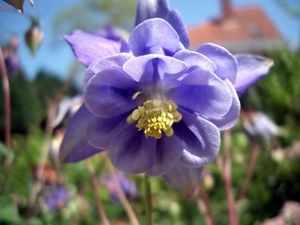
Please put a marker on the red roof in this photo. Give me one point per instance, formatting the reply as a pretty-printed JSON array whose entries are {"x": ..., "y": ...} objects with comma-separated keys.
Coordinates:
[{"x": 246, "y": 27}]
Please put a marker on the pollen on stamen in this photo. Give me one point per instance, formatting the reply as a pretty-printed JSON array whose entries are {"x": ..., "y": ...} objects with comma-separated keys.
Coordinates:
[
  {"x": 136, "y": 95},
  {"x": 135, "y": 115},
  {"x": 155, "y": 117}
]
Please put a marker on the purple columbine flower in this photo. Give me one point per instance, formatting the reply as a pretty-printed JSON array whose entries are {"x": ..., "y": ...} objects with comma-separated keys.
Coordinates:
[
  {"x": 11, "y": 59},
  {"x": 56, "y": 197},
  {"x": 154, "y": 105},
  {"x": 260, "y": 127},
  {"x": 12, "y": 62},
  {"x": 128, "y": 186}
]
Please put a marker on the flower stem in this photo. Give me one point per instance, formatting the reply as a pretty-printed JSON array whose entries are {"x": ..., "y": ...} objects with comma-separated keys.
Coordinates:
[
  {"x": 6, "y": 93},
  {"x": 250, "y": 170},
  {"x": 95, "y": 185},
  {"x": 233, "y": 215},
  {"x": 148, "y": 201},
  {"x": 206, "y": 209},
  {"x": 220, "y": 165},
  {"x": 123, "y": 199}
]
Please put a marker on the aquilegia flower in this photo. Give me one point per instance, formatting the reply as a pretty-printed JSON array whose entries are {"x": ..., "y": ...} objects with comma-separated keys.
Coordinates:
[
  {"x": 128, "y": 187},
  {"x": 56, "y": 197},
  {"x": 11, "y": 59},
  {"x": 260, "y": 127},
  {"x": 154, "y": 105}
]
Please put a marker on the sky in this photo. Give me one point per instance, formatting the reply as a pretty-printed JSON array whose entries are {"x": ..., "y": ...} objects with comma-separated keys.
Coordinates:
[{"x": 55, "y": 56}]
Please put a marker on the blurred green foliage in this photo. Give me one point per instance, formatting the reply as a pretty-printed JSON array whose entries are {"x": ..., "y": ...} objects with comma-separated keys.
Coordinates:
[
  {"x": 25, "y": 105},
  {"x": 30, "y": 99},
  {"x": 48, "y": 86},
  {"x": 273, "y": 181},
  {"x": 95, "y": 15}
]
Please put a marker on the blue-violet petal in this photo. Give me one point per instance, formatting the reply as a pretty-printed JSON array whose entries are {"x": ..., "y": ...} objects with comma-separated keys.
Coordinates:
[
  {"x": 109, "y": 93},
  {"x": 153, "y": 32},
  {"x": 200, "y": 140},
  {"x": 131, "y": 152},
  {"x": 184, "y": 178},
  {"x": 88, "y": 47},
  {"x": 74, "y": 146},
  {"x": 168, "y": 154},
  {"x": 222, "y": 58},
  {"x": 250, "y": 69},
  {"x": 229, "y": 120}
]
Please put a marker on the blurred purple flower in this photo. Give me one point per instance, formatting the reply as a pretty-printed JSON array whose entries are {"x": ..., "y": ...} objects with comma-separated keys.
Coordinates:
[
  {"x": 250, "y": 69},
  {"x": 154, "y": 105},
  {"x": 128, "y": 186},
  {"x": 66, "y": 108},
  {"x": 259, "y": 126},
  {"x": 56, "y": 197},
  {"x": 12, "y": 62},
  {"x": 11, "y": 59}
]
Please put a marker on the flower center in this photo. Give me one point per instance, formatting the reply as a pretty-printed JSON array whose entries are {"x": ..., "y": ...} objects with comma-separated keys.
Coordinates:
[{"x": 155, "y": 117}]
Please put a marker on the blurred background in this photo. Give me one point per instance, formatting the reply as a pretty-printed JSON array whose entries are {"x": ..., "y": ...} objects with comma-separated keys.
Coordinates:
[{"x": 45, "y": 77}]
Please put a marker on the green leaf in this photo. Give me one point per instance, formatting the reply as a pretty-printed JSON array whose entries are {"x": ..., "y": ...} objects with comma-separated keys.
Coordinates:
[
  {"x": 3, "y": 149},
  {"x": 36, "y": 221},
  {"x": 9, "y": 215},
  {"x": 3, "y": 153}
]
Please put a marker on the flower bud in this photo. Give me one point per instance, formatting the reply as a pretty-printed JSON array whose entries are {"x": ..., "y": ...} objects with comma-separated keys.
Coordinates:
[{"x": 33, "y": 37}]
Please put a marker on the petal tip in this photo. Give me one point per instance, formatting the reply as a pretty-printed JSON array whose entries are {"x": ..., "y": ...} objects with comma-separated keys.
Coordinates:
[{"x": 269, "y": 62}]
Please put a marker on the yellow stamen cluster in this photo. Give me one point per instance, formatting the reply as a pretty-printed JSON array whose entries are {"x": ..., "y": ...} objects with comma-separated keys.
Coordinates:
[{"x": 154, "y": 117}]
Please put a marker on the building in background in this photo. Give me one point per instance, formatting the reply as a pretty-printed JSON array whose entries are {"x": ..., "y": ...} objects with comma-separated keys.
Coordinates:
[{"x": 240, "y": 29}]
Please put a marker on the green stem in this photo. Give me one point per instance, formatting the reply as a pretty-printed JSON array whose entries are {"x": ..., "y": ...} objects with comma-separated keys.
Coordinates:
[{"x": 148, "y": 201}]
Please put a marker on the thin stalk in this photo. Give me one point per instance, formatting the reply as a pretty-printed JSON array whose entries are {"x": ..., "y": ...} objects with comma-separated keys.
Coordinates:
[
  {"x": 37, "y": 186},
  {"x": 220, "y": 165},
  {"x": 148, "y": 201},
  {"x": 250, "y": 170},
  {"x": 7, "y": 121},
  {"x": 124, "y": 201},
  {"x": 209, "y": 219},
  {"x": 122, "y": 197},
  {"x": 233, "y": 215},
  {"x": 95, "y": 185}
]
